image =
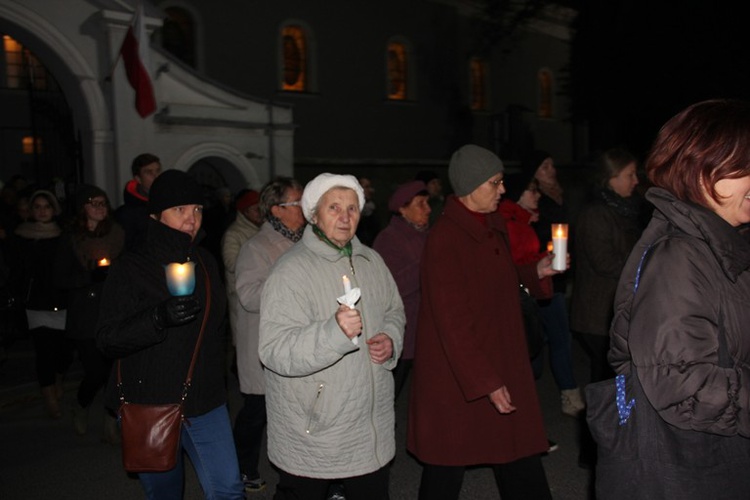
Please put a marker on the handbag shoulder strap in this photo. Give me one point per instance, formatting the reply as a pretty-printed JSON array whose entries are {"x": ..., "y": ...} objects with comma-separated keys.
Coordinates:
[
  {"x": 725, "y": 360},
  {"x": 189, "y": 378}
]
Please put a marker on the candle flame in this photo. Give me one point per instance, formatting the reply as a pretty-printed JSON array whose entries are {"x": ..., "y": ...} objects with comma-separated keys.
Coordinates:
[{"x": 103, "y": 262}]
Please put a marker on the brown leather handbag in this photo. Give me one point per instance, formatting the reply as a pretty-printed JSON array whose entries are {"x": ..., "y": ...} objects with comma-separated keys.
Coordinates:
[{"x": 151, "y": 432}]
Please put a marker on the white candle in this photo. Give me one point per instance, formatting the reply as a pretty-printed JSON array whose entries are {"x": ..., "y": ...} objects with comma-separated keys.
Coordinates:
[
  {"x": 180, "y": 278},
  {"x": 560, "y": 246},
  {"x": 347, "y": 289}
]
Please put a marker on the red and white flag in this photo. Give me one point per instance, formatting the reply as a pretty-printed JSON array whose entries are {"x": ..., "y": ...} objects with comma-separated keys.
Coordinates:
[{"x": 134, "y": 52}]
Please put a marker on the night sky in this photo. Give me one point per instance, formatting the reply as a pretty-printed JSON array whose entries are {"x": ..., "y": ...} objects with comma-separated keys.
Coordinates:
[{"x": 634, "y": 64}]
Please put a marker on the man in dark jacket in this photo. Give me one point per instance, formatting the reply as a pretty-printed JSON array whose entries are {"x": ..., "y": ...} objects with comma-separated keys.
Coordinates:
[{"x": 133, "y": 213}]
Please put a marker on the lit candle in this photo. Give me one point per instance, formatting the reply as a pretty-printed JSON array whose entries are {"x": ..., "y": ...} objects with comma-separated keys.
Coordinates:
[
  {"x": 103, "y": 262},
  {"x": 347, "y": 289},
  {"x": 550, "y": 246},
  {"x": 180, "y": 278},
  {"x": 560, "y": 246}
]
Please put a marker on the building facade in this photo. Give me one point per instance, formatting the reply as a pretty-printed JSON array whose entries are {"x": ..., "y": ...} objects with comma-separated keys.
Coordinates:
[{"x": 379, "y": 89}]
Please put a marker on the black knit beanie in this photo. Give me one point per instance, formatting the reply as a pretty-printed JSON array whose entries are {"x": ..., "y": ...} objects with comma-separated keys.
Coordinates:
[{"x": 173, "y": 188}]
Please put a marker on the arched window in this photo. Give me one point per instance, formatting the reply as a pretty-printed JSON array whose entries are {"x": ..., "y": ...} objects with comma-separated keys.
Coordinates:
[
  {"x": 178, "y": 35},
  {"x": 545, "y": 93},
  {"x": 398, "y": 71},
  {"x": 22, "y": 67},
  {"x": 478, "y": 83},
  {"x": 294, "y": 59}
]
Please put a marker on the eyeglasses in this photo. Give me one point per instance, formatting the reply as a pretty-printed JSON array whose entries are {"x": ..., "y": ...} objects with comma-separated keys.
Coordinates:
[
  {"x": 97, "y": 204},
  {"x": 497, "y": 182},
  {"x": 290, "y": 204}
]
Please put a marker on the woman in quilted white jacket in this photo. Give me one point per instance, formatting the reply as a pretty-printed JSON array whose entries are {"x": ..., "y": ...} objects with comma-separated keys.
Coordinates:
[{"x": 329, "y": 390}]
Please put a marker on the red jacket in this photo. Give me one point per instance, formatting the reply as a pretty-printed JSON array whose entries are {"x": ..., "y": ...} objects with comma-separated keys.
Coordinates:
[
  {"x": 470, "y": 342},
  {"x": 524, "y": 242}
]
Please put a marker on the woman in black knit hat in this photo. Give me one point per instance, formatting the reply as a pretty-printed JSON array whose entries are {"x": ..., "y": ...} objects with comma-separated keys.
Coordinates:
[{"x": 154, "y": 335}]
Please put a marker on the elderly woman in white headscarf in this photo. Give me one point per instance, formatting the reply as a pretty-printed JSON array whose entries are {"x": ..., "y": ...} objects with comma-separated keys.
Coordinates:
[{"x": 329, "y": 390}]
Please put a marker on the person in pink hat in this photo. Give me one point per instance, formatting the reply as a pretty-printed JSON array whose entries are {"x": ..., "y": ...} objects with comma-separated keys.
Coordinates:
[{"x": 401, "y": 244}]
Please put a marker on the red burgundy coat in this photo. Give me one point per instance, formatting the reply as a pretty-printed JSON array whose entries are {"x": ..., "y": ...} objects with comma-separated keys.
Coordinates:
[{"x": 470, "y": 341}]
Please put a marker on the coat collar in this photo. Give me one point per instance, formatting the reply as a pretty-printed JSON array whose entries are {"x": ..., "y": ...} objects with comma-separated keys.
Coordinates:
[
  {"x": 169, "y": 245},
  {"x": 311, "y": 241},
  {"x": 460, "y": 215},
  {"x": 731, "y": 250},
  {"x": 245, "y": 223}
]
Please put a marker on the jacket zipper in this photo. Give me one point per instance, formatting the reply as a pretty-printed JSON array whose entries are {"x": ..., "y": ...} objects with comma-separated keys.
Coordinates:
[
  {"x": 314, "y": 408},
  {"x": 372, "y": 382}
]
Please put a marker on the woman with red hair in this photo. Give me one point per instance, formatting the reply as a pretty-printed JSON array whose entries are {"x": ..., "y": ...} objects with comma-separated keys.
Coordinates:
[{"x": 680, "y": 329}]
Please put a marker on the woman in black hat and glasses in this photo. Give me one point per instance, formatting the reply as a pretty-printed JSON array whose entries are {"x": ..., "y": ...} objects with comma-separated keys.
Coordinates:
[{"x": 154, "y": 334}]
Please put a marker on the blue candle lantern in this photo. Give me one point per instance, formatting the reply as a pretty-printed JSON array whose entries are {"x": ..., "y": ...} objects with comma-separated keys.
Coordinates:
[{"x": 180, "y": 278}]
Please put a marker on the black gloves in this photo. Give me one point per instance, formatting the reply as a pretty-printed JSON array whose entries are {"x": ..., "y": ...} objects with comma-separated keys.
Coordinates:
[{"x": 175, "y": 311}]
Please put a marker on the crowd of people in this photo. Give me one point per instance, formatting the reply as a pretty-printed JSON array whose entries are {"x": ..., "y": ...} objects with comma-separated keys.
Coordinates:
[{"x": 325, "y": 316}]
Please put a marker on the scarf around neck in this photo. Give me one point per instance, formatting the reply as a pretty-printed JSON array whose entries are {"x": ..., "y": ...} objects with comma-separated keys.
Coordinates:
[
  {"x": 38, "y": 230},
  {"x": 627, "y": 207},
  {"x": 346, "y": 250},
  {"x": 280, "y": 228}
]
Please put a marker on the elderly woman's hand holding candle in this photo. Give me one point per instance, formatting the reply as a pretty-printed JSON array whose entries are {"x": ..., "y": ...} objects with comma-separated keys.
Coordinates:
[{"x": 349, "y": 320}]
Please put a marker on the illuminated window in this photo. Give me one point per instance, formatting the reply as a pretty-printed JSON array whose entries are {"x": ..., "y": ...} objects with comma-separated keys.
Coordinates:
[
  {"x": 178, "y": 35},
  {"x": 294, "y": 59},
  {"x": 27, "y": 145},
  {"x": 398, "y": 66},
  {"x": 545, "y": 93},
  {"x": 478, "y": 84},
  {"x": 22, "y": 67}
]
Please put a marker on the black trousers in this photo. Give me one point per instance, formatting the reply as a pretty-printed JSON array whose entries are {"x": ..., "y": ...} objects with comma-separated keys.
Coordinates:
[
  {"x": 523, "y": 479},
  {"x": 95, "y": 370},
  {"x": 248, "y": 433},
  {"x": 54, "y": 354},
  {"x": 596, "y": 348},
  {"x": 373, "y": 486}
]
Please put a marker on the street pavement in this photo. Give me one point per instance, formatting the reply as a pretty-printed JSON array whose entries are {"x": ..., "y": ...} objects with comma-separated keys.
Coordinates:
[{"x": 43, "y": 459}]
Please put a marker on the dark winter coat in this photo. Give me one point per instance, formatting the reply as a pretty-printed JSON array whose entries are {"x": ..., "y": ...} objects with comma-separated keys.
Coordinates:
[
  {"x": 401, "y": 246},
  {"x": 470, "y": 342},
  {"x": 694, "y": 284},
  {"x": 34, "y": 268},
  {"x": 604, "y": 239},
  {"x": 133, "y": 215},
  {"x": 77, "y": 273},
  {"x": 155, "y": 362}
]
